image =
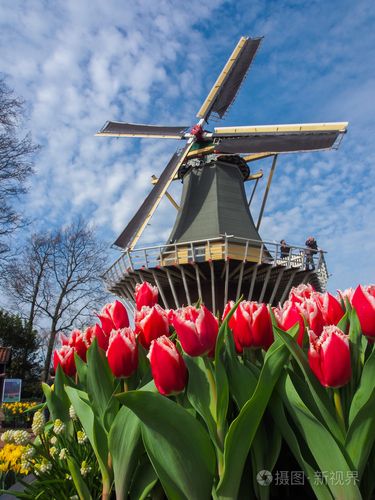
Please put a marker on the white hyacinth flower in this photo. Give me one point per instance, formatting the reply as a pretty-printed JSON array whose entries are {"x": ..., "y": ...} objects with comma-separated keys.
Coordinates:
[
  {"x": 45, "y": 466},
  {"x": 53, "y": 451},
  {"x": 38, "y": 423},
  {"x": 58, "y": 426},
  {"x": 21, "y": 437},
  {"x": 7, "y": 436},
  {"x": 72, "y": 413},
  {"x": 85, "y": 469},
  {"x": 81, "y": 437}
]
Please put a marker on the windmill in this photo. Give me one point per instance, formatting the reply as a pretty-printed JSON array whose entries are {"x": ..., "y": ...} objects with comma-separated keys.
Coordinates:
[{"x": 215, "y": 252}]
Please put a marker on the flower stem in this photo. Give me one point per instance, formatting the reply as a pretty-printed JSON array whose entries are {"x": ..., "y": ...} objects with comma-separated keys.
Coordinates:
[
  {"x": 212, "y": 384},
  {"x": 339, "y": 411}
]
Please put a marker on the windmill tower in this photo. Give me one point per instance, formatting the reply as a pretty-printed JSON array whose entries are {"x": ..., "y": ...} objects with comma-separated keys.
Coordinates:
[{"x": 215, "y": 252}]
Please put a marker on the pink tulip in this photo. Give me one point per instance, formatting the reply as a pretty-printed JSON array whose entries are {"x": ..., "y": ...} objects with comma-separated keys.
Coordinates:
[
  {"x": 145, "y": 295},
  {"x": 251, "y": 326},
  {"x": 113, "y": 317},
  {"x": 77, "y": 341},
  {"x": 287, "y": 316},
  {"x": 122, "y": 353},
  {"x": 329, "y": 357},
  {"x": 167, "y": 366},
  {"x": 65, "y": 358},
  {"x": 151, "y": 323},
  {"x": 363, "y": 301},
  {"x": 300, "y": 293},
  {"x": 196, "y": 329},
  {"x": 312, "y": 313},
  {"x": 346, "y": 294}
]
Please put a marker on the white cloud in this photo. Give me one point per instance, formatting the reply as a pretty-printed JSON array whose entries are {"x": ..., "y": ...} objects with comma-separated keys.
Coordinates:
[{"x": 78, "y": 64}]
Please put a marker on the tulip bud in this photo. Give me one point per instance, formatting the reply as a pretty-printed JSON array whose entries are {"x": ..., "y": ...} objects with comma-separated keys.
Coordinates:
[
  {"x": 167, "y": 366},
  {"x": 312, "y": 313},
  {"x": 65, "y": 358},
  {"x": 113, "y": 317},
  {"x": 363, "y": 301},
  {"x": 329, "y": 357},
  {"x": 300, "y": 293},
  {"x": 151, "y": 323},
  {"x": 331, "y": 309},
  {"x": 122, "y": 353},
  {"x": 287, "y": 316},
  {"x": 196, "y": 329},
  {"x": 145, "y": 295},
  {"x": 251, "y": 326}
]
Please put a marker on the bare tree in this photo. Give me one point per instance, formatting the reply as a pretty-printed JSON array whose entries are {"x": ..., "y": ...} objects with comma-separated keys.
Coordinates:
[
  {"x": 15, "y": 162},
  {"x": 57, "y": 277}
]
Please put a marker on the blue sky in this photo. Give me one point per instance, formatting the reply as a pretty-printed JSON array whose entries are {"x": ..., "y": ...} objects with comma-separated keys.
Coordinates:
[{"x": 78, "y": 63}]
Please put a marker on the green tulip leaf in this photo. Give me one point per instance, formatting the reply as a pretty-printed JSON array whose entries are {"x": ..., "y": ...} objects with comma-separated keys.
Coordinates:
[
  {"x": 361, "y": 434},
  {"x": 79, "y": 483},
  {"x": 321, "y": 443},
  {"x": 178, "y": 447},
  {"x": 124, "y": 442},
  {"x": 144, "y": 480},
  {"x": 318, "y": 392},
  {"x": 221, "y": 379},
  {"x": 320, "y": 489},
  {"x": 199, "y": 392},
  {"x": 81, "y": 370},
  {"x": 356, "y": 350},
  {"x": 242, "y": 381},
  {"x": 57, "y": 400},
  {"x": 94, "y": 431},
  {"x": 242, "y": 430},
  {"x": 101, "y": 385}
]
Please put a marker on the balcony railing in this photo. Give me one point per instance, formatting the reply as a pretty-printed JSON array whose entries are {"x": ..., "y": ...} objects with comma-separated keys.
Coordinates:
[{"x": 225, "y": 247}]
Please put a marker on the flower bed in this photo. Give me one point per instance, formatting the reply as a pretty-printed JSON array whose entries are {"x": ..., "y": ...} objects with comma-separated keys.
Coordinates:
[
  {"x": 17, "y": 415},
  {"x": 187, "y": 405}
]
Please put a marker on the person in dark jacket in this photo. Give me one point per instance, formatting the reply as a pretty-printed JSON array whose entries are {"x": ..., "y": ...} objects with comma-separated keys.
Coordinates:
[
  {"x": 284, "y": 249},
  {"x": 311, "y": 250}
]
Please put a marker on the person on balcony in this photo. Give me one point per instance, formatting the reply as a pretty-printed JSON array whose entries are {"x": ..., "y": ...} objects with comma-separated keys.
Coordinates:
[
  {"x": 311, "y": 250},
  {"x": 284, "y": 249}
]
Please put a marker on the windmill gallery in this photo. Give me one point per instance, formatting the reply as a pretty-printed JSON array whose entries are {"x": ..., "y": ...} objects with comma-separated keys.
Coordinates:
[{"x": 214, "y": 252}]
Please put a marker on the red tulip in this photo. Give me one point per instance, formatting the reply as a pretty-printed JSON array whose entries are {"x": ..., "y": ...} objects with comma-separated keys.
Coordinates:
[
  {"x": 251, "y": 326},
  {"x": 76, "y": 340},
  {"x": 113, "y": 317},
  {"x": 122, "y": 353},
  {"x": 300, "y": 293},
  {"x": 331, "y": 309},
  {"x": 96, "y": 332},
  {"x": 196, "y": 329},
  {"x": 310, "y": 310},
  {"x": 167, "y": 366},
  {"x": 329, "y": 357},
  {"x": 65, "y": 358},
  {"x": 363, "y": 301},
  {"x": 287, "y": 316},
  {"x": 151, "y": 323},
  {"x": 145, "y": 295}
]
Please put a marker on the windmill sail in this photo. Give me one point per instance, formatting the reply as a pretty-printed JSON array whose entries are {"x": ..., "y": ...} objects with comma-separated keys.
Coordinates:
[
  {"x": 120, "y": 129},
  {"x": 229, "y": 81},
  {"x": 130, "y": 235},
  {"x": 278, "y": 138}
]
